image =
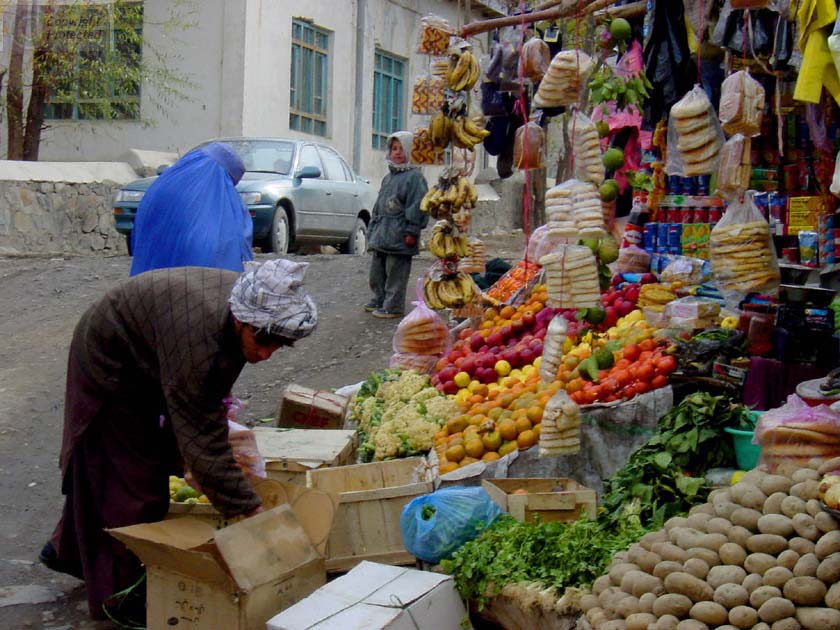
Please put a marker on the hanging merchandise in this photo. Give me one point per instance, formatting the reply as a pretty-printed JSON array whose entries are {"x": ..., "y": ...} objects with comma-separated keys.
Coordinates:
[
  {"x": 475, "y": 260},
  {"x": 741, "y": 104},
  {"x": 668, "y": 63},
  {"x": 424, "y": 150},
  {"x": 560, "y": 430},
  {"x": 464, "y": 69},
  {"x": 586, "y": 147},
  {"x": 564, "y": 79},
  {"x": 434, "y": 35},
  {"x": 493, "y": 70},
  {"x": 571, "y": 277},
  {"x": 835, "y": 180},
  {"x": 427, "y": 95},
  {"x": 694, "y": 136},
  {"x": 735, "y": 168},
  {"x": 421, "y": 338},
  {"x": 552, "y": 356},
  {"x": 559, "y": 210},
  {"x": 529, "y": 146},
  {"x": 534, "y": 59}
]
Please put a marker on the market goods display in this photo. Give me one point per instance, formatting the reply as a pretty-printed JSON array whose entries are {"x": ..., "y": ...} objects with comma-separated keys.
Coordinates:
[
  {"x": 741, "y": 104},
  {"x": 450, "y": 194},
  {"x": 534, "y": 59},
  {"x": 398, "y": 412},
  {"x": 564, "y": 78},
  {"x": 181, "y": 492},
  {"x": 464, "y": 71},
  {"x": 434, "y": 35},
  {"x": 529, "y": 146},
  {"x": 449, "y": 291},
  {"x": 553, "y": 344},
  {"x": 759, "y": 552},
  {"x": 560, "y": 426},
  {"x": 571, "y": 274},
  {"x": 829, "y": 488},
  {"x": 796, "y": 432},
  {"x": 475, "y": 259},
  {"x": 453, "y": 126},
  {"x": 517, "y": 278},
  {"x": 424, "y": 150},
  {"x": 427, "y": 95},
  {"x": 446, "y": 242},
  {"x": 633, "y": 259},
  {"x": 422, "y": 331},
  {"x": 586, "y": 147},
  {"x": 735, "y": 168},
  {"x": 694, "y": 137}
]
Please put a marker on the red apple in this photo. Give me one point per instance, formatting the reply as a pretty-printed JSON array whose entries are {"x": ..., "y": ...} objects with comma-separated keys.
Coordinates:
[
  {"x": 540, "y": 334},
  {"x": 611, "y": 316},
  {"x": 459, "y": 362},
  {"x": 495, "y": 339},
  {"x": 517, "y": 325},
  {"x": 506, "y": 332},
  {"x": 527, "y": 356},
  {"x": 536, "y": 346},
  {"x": 476, "y": 341},
  {"x": 469, "y": 365},
  {"x": 529, "y": 319},
  {"x": 483, "y": 349},
  {"x": 449, "y": 387},
  {"x": 486, "y": 360},
  {"x": 624, "y": 308},
  {"x": 512, "y": 356},
  {"x": 487, "y": 375},
  {"x": 447, "y": 373}
]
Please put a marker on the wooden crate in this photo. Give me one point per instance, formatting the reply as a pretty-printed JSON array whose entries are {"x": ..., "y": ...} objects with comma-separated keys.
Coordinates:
[
  {"x": 550, "y": 498},
  {"x": 290, "y": 453},
  {"x": 371, "y": 499}
]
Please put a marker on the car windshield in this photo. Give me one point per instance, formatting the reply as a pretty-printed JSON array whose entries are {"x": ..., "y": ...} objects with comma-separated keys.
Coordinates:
[{"x": 265, "y": 156}]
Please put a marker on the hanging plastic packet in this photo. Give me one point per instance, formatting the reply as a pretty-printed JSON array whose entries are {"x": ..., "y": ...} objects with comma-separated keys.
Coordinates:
[
  {"x": 555, "y": 339},
  {"x": 434, "y": 35},
  {"x": 735, "y": 168},
  {"x": 421, "y": 337},
  {"x": 560, "y": 430},
  {"x": 528, "y": 145},
  {"x": 534, "y": 59},
  {"x": 564, "y": 79},
  {"x": 427, "y": 95},
  {"x": 741, "y": 104},
  {"x": 586, "y": 145},
  {"x": 694, "y": 136},
  {"x": 424, "y": 150}
]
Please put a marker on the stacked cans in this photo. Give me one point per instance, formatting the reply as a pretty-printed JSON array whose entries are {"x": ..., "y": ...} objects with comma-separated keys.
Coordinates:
[{"x": 828, "y": 236}]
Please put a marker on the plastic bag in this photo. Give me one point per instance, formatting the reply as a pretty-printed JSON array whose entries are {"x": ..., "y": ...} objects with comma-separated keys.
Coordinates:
[
  {"x": 796, "y": 432},
  {"x": 835, "y": 180},
  {"x": 586, "y": 145},
  {"x": 534, "y": 59},
  {"x": 742, "y": 253},
  {"x": 692, "y": 307},
  {"x": 245, "y": 452},
  {"x": 685, "y": 269},
  {"x": 734, "y": 169},
  {"x": 434, "y": 35},
  {"x": 422, "y": 331},
  {"x": 434, "y": 526},
  {"x": 694, "y": 136},
  {"x": 741, "y": 104},
  {"x": 543, "y": 242},
  {"x": 571, "y": 277},
  {"x": 555, "y": 338},
  {"x": 564, "y": 78},
  {"x": 427, "y": 95},
  {"x": 632, "y": 259},
  {"x": 475, "y": 260},
  {"x": 560, "y": 430},
  {"x": 423, "y": 150},
  {"x": 528, "y": 146}
]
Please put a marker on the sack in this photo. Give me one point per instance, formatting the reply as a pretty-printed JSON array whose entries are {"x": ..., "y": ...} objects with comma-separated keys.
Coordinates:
[
  {"x": 735, "y": 168},
  {"x": 797, "y": 432},
  {"x": 742, "y": 253},
  {"x": 434, "y": 526},
  {"x": 694, "y": 136}
]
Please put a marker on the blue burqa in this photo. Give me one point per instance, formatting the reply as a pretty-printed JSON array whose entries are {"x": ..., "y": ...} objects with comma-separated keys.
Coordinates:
[{"x": 193, "y": 216}]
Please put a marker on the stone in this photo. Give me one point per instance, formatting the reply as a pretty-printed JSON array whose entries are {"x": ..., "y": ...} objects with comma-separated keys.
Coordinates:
[
  {"x": 97, "y": 243},
  {"x": 61, "y": 187},
  {"x": 90, "y": 219},
  {"x": 106, "y": 223},
  {"x": 46, "y": 187},
  {"x": 26, "y": 196},
  {"x": 56, "y": 202},
  {"x": 23, "y": 223}
]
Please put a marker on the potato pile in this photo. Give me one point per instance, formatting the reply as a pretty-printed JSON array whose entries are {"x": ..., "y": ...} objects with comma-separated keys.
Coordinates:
[{"x": 761, "y": 555}]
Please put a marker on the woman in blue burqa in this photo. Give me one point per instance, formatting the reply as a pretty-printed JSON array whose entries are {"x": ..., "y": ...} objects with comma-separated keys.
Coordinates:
[{"x": 192, "y": 216}]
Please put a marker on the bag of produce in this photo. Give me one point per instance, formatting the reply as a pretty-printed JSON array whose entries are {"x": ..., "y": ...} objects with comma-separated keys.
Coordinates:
[
  {"x": 694, "y": 136},
  {"x": 742, "y": 253},
  {"x": 735, "y": 169},
  {"x": 528, "y": 144},
  {"x": 436, "y": 525},
  {"x": 420, "y": 339},
  {"x": 797, "y": 432},
  {"x": 741, "y": 104},
  {"x": 534, "y": 59}
]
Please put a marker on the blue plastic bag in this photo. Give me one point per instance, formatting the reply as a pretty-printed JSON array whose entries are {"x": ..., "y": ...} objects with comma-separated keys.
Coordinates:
[{"x": 434, "y": 526}]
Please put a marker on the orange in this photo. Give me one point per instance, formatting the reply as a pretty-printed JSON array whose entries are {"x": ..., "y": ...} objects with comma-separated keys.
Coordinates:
[
  {"x": 475, "y": 399},
  {"x": 455, "y": 453},
  {"x": 527, "y": 439},
  {"x": 507, "y": 429},
  {"x": 447, "y": 467},
  {"x": 456, "y": 424},
  {"x": 522, "y": 425},
  {"x": 477, "y": 419},
  {"x": 471, "y": 430},
  {"x": 474, "y": 447},
  {"x": 491, "y": 440},
  {"x": 495, "y": 413},
  {"x": 489, "y": 456},
  {"x": 457, "y": 438},
  {"x": 441, "y": 435},
  {"x": 490, "y": 313},
  {"x": 508, "y": 447},
  {"x": 535, "y": 413},
  {"x": 537, "y": 428},
  {"x": 507, "y": 312},
  {"x": 467, "y": 461},
  {"x": 481, "y": 390}
]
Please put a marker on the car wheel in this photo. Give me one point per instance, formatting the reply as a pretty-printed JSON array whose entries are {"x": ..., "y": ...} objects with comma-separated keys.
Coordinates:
[
  {"x": 357, "y": 243},
  {"x": 128, "y": 244},
  {"x": 280, "y": 231}
]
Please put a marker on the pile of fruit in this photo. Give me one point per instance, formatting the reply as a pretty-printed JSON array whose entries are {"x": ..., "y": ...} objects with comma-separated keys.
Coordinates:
[{"x": 181, "y": 492}]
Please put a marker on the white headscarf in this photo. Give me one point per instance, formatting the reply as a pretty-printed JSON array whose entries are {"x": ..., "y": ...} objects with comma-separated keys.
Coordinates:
[
  {"x": 406, "y": 139},
  {"x": 270, "y": 296}
]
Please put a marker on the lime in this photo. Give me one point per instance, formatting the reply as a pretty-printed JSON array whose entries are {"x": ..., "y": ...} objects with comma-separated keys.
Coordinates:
[
  {"x": 591, "y": 243},
  {"x": 608, "y": 190},
  {"x": 603, "y": 128},
  {"x": 608, "y": 250},
  {"x": 620, "y": 29},
  {"x": 185, "y": 493},
  {"x": 604, "y": 358},
  {"x": 613, "y": 159},
  {"x": 595, "y": 315}
]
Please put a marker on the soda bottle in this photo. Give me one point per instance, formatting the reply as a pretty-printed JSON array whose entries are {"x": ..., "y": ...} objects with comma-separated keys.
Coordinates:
[{"x": 633, "y": 231}]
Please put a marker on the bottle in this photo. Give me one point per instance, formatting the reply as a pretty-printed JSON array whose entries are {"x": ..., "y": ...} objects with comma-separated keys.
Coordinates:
[{"x": 633, "y": 231}]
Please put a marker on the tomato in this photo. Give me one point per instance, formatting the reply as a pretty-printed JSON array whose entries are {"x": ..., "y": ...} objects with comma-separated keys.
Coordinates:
[
  {"x": 602, "y": 374},
  {"x": 589, "y": 395},
  {"x": 665, "y": 365},
  {"x": 609, "y": 386},
  {"x": 577, "y": 397},
  {"x": 630, "y": 391},
  {"x": 645, "y": 372},
  {"x": 642, "y": 387},
  {"x": 623, "y": 377},
  {"x": 659, "y": 381},
  {"x": 575, "y": 385},
  {"x": 631, "y": 352},
  {"x": 622, "y": 364},
  {"x": 645, "y": 356},
  {"x": 647, "y": 344}
]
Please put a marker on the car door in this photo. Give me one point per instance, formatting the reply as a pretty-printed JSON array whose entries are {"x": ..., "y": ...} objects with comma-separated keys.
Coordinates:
[
  {"x": 344, "y": 196},
  {"x": 311, "y": 197}
]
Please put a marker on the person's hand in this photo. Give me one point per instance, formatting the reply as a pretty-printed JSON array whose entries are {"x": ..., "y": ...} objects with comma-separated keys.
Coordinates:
[
  {"x": 255, "y": 511},
  {"x": 410, "y": 240}
]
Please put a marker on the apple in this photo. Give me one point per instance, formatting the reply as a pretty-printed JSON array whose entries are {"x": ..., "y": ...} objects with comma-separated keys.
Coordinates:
[
  {"x": 529, "y": 319},
  {"x": 495, "y": 339},
  {"x": 487, "y": 375},
  {"x": 624, "y": 308},
  {"x": 459, "y": 362},
  {"x": 536, "y": 346},
  {"x": 611, "y": 316},
  {"x": 449, "y": 387},
  {"x": 435, "y": 379},
  {"x": 647, "y": 278},
  {"x": 512, "y": 356},
  {"x": 527, "y": 356},
  {"x": 469, "y": 365},
  {"x": 616, "y": 280},
  {"x": 483, "y": 349},
  {"x": 517, "y": 325},
  {"x": 540, "y": 334},
  {"x": 447, "y": 373},
  {"x": 486, "y": 360},
  {"x": 497, "y": 349},
  {"x": 476, "y": 341}
]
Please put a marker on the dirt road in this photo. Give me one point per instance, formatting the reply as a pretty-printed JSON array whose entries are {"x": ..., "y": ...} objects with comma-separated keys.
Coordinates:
[{"x": 40, "y": 302}]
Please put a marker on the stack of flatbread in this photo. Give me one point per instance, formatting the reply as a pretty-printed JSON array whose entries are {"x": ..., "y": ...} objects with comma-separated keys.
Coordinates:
[
  {"x": 589, "y": 215},
  {"x": 559, "y": 210},
  {"x": 571, "y": 276},
  {"x": 562, "y": 83},
  {"x": 743, "y": 257},
  {"x": 741, "y": 104},
  {"x": 573, "y": 210},
  {"x": 735, "y": 168},
  {"x": 586, "y": 147},
  {"x": 698, "y": 137},
  {"x": 798, "y": 442},
  {"x": 560, "y": 428},
  {"x": 474, "y": 261},
  {"x": 420, "y": 333}
]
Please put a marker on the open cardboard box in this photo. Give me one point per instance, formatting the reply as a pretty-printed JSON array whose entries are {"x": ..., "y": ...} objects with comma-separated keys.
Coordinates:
[
  {"x": 290, "y": 453},
  {"x": 237, "y": 577},
  {"x": 306, "y": 408}
]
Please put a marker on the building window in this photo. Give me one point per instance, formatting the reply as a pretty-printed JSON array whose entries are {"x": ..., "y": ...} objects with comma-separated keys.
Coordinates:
[
  {"x": 388, "y": 89},
  {"x": 308, "y": 92},
  {"x": 100, "y": 48}
]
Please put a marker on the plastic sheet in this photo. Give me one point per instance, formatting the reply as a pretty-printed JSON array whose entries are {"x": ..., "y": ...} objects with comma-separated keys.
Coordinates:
[
  {"x": 434, "y": 526},
  {"x": 797, "y": 432}
]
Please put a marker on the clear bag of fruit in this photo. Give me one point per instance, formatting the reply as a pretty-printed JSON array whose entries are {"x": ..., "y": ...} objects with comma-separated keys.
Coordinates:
[{"x": 245, "y": 452}]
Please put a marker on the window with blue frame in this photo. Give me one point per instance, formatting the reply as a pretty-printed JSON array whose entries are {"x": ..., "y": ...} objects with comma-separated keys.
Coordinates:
[
  {"x": 388, "y": 96},
  {"x": 309, "y": 78}
]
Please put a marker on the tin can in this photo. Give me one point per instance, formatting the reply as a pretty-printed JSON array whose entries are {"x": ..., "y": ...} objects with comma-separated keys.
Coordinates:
[
  {"x": 674, "y": 235},
  {"x": 684, "y": 214},
  {"x": 687, "y": 185},
  {"x": 649, "y": 236},
  {"x": 674, "y": 184},
  {"x": 662, "y": 234},
  {"x": 790, "y": 254},
  {"x": 675, "y": 250},
  {"x": 715, "y": 214},
  {"x": 701, "y": 214},
  {"x": 703, "y": 184}
]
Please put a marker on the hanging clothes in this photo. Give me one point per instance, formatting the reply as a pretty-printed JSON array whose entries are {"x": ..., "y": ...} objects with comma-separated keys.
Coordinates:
[{"x": 817, "y": 71}]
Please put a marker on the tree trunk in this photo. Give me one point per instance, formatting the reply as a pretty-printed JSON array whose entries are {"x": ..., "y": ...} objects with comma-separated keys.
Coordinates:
[
  {"x": 38, "y": 94},
  {"x": 14, "y": 88}
]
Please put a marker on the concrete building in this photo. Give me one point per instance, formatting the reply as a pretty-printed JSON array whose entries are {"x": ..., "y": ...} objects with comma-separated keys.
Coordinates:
[{"x": 321, "y": 68}]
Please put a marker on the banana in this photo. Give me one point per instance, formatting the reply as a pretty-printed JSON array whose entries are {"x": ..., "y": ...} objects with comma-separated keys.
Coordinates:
[
  {"x": 461, "y": 246},
  {"x": 439, "y": 129},
  {"x": 475, "y": 71},
  {"x": 430, "y": 295},
  {"x": 467, "y": 78},
  {"x": 455, "y": 77},
  {"x": 460, "y": 137},
  {"x": 474, "y": 130}
]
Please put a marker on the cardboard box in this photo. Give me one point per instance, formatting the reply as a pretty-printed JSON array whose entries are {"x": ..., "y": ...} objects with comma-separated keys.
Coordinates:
[
  {"x": 289, "y": 453},
  {"x": 729, "y": 373},
  {"x": 371, "y": 498},
  {"x": 305, "y": 408},
  {"x": 546, "y": 499},
  {"x": 378, "y": 597}
]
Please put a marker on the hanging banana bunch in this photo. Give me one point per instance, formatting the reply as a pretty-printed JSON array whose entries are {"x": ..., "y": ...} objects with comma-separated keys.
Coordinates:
[
  {"x": 464, "y": 71},
  {"x": 448, "y": 196},
  {"x": 445, "y": 241},
  {"x": 449, "y": 291}
]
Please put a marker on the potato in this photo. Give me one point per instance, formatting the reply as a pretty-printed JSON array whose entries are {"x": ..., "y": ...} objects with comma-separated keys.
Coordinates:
[
  {"x": 595, "y": 616},
  {"x": 743, "y": 617},
  {"x": 669, "y": 551},
  {"x": 618, "y": 571},
  {"x": 710, "y": 613},
  {"x": 627, "y": 606},
  {"x": 775, "y": 483},
  {"x": 761, "y": 625},
  {"x": 752, "y": 582},
  {"x": 787, "y": 468},
  {"x": 805, "y": 526},
  {"x": 698, "y": 521},
  {"x": 829, "y": 569},
  {"x": 686, "y": 537},
  {"x": 732, "y": 553},
  {"x": 767, "y": 543},
  {"x": 828, "y": 544},
  {"x": 651, "y": 538},
  {"x": 667, "y": 622},
  {"x": 697, "y": 567},
  {"x": 801, "y": 545},
  {"x": 686, "y": 584},
  {"x": 601, "y": 584},
  {"x": 675, "y": 604},
  {"x": 777, "y": 576},
  {"x": 746, "y": 517},
  {"x": 720, "y": 495},
  {"x": 825, "y": 522},
  {"x": 646, "y": 602},
  {"x": 739, "y": 535},
  {"x": 637, "y": 583},
  {"x": 762, "y": 594},
  {"x": 832, "y": 597},
  {"x": 754, "y": 476},
  {"x": 829, "y": 466},
  {"x": 813, "y": 506},
  {"x": 776, "y": 608},
  {"x": 621, "y": 556},
  {"x": 710, "y": 557},
  {"x": 587, "y": 601},
  {"x": 725, "y": 574},
  {"x": 806, "y": 490},
  {"x": 805, "y": 591},
  {"x": 748, "y": 495},
  {"x": 759, "y": 563},
  {"x": 788, "y": 559},
  {"x": 667, "y": 567},
  {"x": 727, "y": 627},
  {"x": 718, "y": 525},
  {"x": 818, "y": 618},
  {"x": 773, "y": 504},
  {"x": 639, "y": 621},
  {"x": 691, "y": 624},
  {"x": 724, "y": 510},
  {"x": 807, "y": 565},
  {"x": 608, "y": 598},
  {"x": 791, "y": 506},
  {"x": 615, "y": 624},
  {"x": 703, "y": 508},
  {"x": 731, "y": 595},
  {"x": 778, "y": 524},
  {"x": 789, "y": 623},
  {"x": 713, "y": 541},
  {"x": 675, "y": 521},
  {"x": 805, "y": 474},
  {"x": 645, "y": 559}
]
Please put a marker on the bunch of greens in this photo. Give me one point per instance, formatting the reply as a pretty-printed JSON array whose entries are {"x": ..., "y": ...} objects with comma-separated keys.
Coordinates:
[
  {"x": 554, "y": 554},
  {"x": 605, "y": 86}
]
